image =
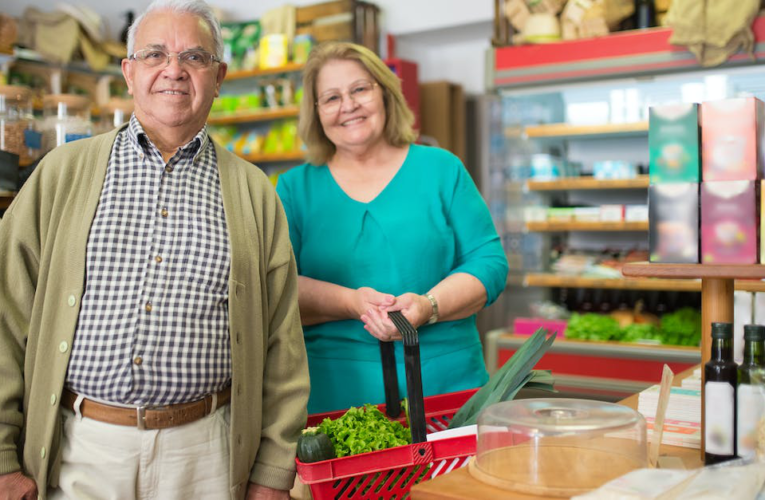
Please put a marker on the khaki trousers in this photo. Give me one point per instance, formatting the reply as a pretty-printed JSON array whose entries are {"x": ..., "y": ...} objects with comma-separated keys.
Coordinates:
[{"x": 113, "y": 462}]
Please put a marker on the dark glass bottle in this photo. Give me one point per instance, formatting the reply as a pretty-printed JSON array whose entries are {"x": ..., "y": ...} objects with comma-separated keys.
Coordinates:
[
  {"x": 750, "y": 402},
  {"x": 645, "y": 15},
  {"x": 720, "y": 374}
]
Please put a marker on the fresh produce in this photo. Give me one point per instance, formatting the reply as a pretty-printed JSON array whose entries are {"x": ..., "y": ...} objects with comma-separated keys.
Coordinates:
[
  {"x": 363, "y": 429},
  {"x": 314, "y": 446},
  {"x": 682, "y": 327},
  {"x": 508, "y": 380},
  {"x": 592, "y": 326}
]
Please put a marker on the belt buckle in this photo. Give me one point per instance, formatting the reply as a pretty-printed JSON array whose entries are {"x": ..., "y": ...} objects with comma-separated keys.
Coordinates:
[{"x": 141, "y": 414}]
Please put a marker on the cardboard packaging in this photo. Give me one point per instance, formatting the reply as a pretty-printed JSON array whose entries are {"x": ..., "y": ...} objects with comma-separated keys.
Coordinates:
[
  {"x": 729, "y": 222},
  {"x": 731, "y": 133},
  {"x": 673, "y": 141},
  {"x": 673, "y": 223},
  {"x": 442, "y": 107}
]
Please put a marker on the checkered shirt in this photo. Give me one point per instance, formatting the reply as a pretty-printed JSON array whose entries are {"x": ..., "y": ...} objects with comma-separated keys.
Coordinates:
[{"x": 153, "y": 327}]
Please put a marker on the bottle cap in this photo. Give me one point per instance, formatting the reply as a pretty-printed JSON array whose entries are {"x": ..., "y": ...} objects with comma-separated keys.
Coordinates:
[
  {"x": 754, "y": 332},
  {"x": 722, "y": 330}
]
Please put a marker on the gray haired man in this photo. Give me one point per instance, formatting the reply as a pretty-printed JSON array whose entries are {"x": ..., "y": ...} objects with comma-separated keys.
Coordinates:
[{"x": 150, "y": 340}]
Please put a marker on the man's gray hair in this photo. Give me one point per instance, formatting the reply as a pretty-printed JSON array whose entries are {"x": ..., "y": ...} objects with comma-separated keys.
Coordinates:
[{"x": 198, "y": 8}]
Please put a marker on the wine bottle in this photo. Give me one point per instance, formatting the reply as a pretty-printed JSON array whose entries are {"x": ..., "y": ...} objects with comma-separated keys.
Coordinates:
[
  {"x": 720, "y": 397},
  {"x": 645, "y": 15},
  {"x": 750, "y": 395}
]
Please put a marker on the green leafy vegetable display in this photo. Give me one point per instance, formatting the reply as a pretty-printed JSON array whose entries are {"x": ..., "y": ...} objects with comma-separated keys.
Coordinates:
[
  {"x": 682, "y": 327},
  {"x": 592, "y": 326},
  {"x": 364, "y": 429}
]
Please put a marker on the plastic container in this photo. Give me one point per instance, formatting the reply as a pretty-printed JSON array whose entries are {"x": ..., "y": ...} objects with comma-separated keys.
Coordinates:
[
  {"x": 66, "y": 118},
  {"x": 273, "y": 51},
  {"x": 114, "y": 113},
  {"x": 18, "y": 134},
  {"x": 557, "y": 447},
  {"x": 389, "y": 474}
]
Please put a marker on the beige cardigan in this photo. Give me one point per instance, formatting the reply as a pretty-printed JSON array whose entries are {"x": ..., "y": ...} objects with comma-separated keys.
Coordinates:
[{"x": 43, "y": 238}]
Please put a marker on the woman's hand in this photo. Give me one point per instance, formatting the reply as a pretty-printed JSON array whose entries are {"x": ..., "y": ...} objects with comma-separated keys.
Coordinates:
[{"x": 415, "y": 308}]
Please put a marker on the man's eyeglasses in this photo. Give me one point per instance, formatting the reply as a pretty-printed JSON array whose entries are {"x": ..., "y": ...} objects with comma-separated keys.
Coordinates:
[
  {"x": 361, "y": 93},
  {"x": 195, "y": 58}
]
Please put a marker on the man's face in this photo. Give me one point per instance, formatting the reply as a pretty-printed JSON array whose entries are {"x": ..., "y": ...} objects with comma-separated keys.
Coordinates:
[{"x": 173, "y": 97}]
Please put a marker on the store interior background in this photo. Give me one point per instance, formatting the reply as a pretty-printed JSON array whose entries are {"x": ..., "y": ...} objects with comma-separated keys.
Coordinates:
[{"x": 450, "y": 41}]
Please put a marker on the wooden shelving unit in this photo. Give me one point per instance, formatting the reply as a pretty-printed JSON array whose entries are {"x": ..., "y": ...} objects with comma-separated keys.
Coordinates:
[
  {"x": 276, "y": 157},
  {"x": 6, "y": 197},
  {"x": 564, "y": 130},
  {"x": 588, "y": 183},
  {"x": 649, "y": 284},
  {"x": 254, "y": 116},
  {"x": 586, "y": 226},
  {"x": 288, "y": 68}
]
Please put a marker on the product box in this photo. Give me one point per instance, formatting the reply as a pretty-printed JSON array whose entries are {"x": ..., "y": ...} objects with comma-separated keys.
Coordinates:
[
  {"x": 673, "y": 141},
  {"x": 612, "y": 213},
  {"x": 731, "y": 136},
  {"x": 673, "y": 221},
  {"x": 729, "y": 222},
  {"x": 635, "y": 213}
]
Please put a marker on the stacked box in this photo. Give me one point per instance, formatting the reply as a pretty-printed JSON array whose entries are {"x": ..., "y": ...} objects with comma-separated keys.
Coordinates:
[
  {"x": 673, "y": 141},
  {"x": 673, "y": 214},
  {"x": 729, "y": 222},
  {"x": 731, "y": 133}
]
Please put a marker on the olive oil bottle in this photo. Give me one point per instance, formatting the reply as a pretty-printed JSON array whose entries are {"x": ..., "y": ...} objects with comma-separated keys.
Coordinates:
[
  {"x": 750, "y": 395},
  {"x": 720, "y": 374}
]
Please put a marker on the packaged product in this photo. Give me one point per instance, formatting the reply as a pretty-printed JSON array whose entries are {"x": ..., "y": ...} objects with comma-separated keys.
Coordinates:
[
  {"x": 673, "y": 142},
  {"x": 673, "y": 220},
  {"x": 729, "y": 222},
  {"x": 731, "y": 133}
]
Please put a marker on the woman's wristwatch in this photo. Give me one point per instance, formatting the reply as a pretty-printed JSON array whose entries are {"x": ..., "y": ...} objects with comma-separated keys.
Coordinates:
[{"x": 434, "y": 304}]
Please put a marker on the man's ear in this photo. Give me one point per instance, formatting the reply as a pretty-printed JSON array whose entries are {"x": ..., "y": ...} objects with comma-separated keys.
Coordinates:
[
  {"x": 222, "y": 70},
  {"x": 127, "y": 73}
]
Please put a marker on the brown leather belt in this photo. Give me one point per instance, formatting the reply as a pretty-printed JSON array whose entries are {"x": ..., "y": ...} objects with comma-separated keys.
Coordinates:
[{"x": 161, "y": 417}]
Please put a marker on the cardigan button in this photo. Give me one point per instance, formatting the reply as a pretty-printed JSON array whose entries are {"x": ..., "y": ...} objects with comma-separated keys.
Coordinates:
[
  {"x": 63, "y": 346},
  {"x": 72, "y": 300}
]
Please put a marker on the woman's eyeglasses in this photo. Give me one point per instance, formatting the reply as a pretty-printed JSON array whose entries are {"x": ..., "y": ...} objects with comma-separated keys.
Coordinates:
[{"x": 361, "y": 93}]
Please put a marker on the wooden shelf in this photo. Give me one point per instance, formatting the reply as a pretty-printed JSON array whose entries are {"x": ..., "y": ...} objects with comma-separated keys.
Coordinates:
[
  {"x": 586, "y": 226},
  {"x": 6, "y": 197},
  {"x": 649, "y": 284},
  {"x": 582, "y": 183},
  {"x": 254, "y": 116},
  {"x": 564, "y": 130},
  {"x": 690, "y": 271},
  {"x": 288, "y": 68},
  {"x": 275, "y": 157}
]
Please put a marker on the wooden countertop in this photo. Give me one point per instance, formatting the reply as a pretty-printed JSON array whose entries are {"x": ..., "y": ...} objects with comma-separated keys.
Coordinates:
[{"x": 460, "y": 485}]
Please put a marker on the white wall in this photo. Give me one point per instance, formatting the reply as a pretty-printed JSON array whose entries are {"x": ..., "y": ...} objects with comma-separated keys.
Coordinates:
[{"x": 447, "y": 38}]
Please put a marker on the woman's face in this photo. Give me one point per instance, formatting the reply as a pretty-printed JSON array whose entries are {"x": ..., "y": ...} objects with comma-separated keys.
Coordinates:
[{"x": 350, "y": 105}]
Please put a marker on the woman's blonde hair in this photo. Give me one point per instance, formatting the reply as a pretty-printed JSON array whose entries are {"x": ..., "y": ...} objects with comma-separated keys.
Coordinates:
[{"x": 398, "y": 117}]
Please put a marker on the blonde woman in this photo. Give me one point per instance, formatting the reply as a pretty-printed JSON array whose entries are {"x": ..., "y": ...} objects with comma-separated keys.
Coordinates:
[{"x": 377, "y": 224}]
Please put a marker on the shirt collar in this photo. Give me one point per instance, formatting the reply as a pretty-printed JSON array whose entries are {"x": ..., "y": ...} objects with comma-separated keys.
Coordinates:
[{"x": 142, "y": 144}]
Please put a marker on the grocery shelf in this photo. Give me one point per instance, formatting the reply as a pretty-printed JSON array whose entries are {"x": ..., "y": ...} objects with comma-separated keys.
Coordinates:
[
  {"x": 254, "y": 116},
  {"x": 287, "y": 68},
  {"x": 548, "y": 226},
  {"x": 6, "y": 197},
  {"x": 275, "y": 157},
  {"x": 582, "y": 183},
  {"x": 564, "y": 130},
  {"x": 648, "y": 284}
]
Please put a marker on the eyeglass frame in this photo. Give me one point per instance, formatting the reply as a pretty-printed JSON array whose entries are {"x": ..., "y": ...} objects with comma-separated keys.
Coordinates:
[
  {"x": 342, "y": 97},
  {"x": 177, "y": 55}
]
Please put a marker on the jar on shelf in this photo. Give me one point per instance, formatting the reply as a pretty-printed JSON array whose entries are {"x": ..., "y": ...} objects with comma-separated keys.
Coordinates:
[
  {"x": 114, "y": 113},
  {"x": 66, "y": 118},
  {"x": 18, "y": 128}
]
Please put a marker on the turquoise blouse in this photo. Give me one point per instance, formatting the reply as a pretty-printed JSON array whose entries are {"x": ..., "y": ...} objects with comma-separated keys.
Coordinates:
[{"x": 429, "y": 222}]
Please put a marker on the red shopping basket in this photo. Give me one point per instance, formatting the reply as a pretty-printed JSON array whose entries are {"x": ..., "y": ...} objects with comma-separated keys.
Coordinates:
[{"x": 389, "y": 474}]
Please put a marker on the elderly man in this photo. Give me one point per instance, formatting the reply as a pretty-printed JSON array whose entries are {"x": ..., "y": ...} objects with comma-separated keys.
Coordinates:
[{"x": 150, "y": 341}]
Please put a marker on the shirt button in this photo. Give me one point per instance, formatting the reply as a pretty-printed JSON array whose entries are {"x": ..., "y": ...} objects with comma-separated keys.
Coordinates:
[
  {"x": 164, "y": 212},
  {"x": 148, "y": 307},
  {"x": 72, "y": 300},
  {"x": 42, "y": 452},
  {"x": 63, "y": 346},
  {"x": 158, "y": 259},
  {"x": 52, "y": 399},
  {"x": 168, "y": 169},
  {"x": 138, "y": 360}
]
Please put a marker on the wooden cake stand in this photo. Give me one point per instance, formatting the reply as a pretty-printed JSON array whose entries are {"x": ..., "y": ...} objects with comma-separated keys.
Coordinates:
[{"x": 717, "y": 283}]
